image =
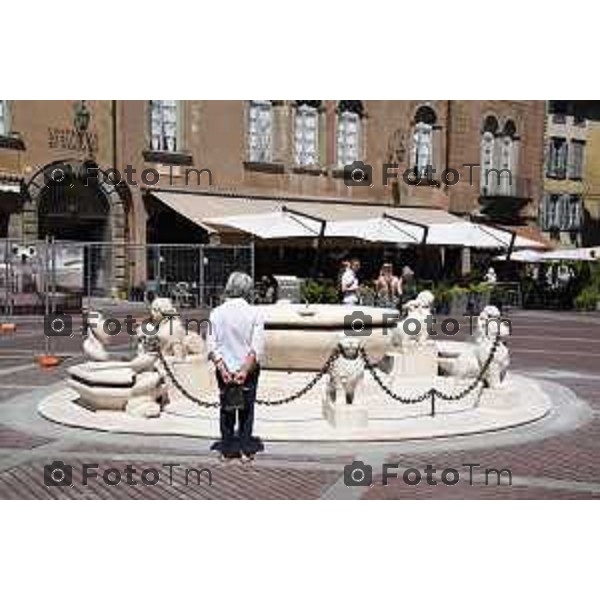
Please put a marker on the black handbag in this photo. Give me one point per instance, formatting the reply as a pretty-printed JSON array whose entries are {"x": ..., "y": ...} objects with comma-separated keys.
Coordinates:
[{"x": 233, "y": 397}]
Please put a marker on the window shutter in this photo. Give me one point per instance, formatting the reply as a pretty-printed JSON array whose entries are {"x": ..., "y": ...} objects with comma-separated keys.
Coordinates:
[
  {"x": 565, "y": 158},
  {"x": 306, "y": 135},
  {"x": 348, "y": 138},
  {"x": 553, "y": 212},
  {"x": 163, "y": 125},
  {"x": 260, "y": 131},
  {"x": 341, "y": 141},
  {"x": 543, "y": 213},
  {"x": 564, "y": 212},
  {"x": 487, "y": 162},
  {"x": 423, "y": 146}
]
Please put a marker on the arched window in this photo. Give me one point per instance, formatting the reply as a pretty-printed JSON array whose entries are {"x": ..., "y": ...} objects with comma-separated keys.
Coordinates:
[
  {"x": 163, "y": 125},
  {"x": 488, "y": 180},
  {"x": 260, "y": 131},
  {"x": 422, "y": 150},
  {"x": 306, "y": 132},
  {"x": 349, "y": 131}
]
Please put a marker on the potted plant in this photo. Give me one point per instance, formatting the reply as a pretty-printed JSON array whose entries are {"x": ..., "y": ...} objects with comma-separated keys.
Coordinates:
[
  {"x": 587, "y": 300},
  {"x": 319, "y": 292},
  {"x": 458, "y": 298},
  {"x": 479, "y": 296}
]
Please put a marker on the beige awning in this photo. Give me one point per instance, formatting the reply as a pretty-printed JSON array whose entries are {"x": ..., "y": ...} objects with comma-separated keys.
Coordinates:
[
  {"x": 10, "y": 187},
  {"x": 278, "y": 224},
  {"x": 204, "y": 210}
]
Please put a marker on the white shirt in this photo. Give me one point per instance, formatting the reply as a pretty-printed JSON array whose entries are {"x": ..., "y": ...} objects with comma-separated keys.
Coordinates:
[
  {"x": 236, "y": 330},
  {"x": 349, "y": 286}
]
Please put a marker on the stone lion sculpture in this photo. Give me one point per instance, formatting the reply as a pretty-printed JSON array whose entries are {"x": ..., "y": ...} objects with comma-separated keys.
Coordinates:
[
  {"x": 469, "y": 363},
  {"x": 347, "y": 370}
]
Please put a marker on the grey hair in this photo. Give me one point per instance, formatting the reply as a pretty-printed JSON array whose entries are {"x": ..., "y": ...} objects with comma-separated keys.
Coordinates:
[{"x": 239, "y": 285}]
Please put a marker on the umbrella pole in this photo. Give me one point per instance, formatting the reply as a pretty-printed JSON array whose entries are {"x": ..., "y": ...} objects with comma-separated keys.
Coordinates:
[{"x": 317, "y": 262}]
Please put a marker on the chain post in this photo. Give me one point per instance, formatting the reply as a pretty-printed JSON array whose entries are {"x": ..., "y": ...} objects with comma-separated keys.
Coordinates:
[{"x": 432, "y": 392}]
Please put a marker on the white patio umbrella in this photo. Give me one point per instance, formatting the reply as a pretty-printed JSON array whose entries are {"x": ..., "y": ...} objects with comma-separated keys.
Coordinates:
[
  {"x": 528, "y": 256},
  {"x": 272, "y": 225},
  {"x": 377, "y": 229},
  {"x": 475, "y": 235},
  {"x": 585, "y": 254}
]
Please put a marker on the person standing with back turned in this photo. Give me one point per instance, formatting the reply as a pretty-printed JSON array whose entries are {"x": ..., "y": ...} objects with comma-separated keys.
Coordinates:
[{"x": 236, "y": 346}]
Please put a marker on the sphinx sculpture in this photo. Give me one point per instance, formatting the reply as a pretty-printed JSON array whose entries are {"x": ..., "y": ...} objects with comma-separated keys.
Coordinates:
[
  {"x": 138, "y": 385},
  {"x": 168, "y": 333},
  {"x": 105, "y": 383},
  {"x": 405, "y": 334},
  {"x": 412, "y": 353},
  {"x": 470, "y": 361}
]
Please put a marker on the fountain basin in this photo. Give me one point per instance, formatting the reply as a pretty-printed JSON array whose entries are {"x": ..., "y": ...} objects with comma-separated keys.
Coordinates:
[{"x": 301, "y": 338}]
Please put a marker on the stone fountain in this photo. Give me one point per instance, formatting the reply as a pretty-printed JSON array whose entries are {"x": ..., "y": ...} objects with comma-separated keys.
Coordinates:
[{"x": 348, "y": 402}]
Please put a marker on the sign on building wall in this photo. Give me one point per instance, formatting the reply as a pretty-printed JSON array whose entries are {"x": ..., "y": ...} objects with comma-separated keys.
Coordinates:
[{"x": 78, "y": 137}]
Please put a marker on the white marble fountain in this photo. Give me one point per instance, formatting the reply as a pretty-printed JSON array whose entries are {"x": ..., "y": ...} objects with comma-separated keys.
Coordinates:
[{"x": 347, "y": 403}]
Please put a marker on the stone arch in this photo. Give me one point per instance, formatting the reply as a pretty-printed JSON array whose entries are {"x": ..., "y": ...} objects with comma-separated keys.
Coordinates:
[
  {"x": 117, "y": 198},
  {"x": 426, "y": 114},
  {"x": 509, "y": 129},
  {"x": 490, "y": 125}
]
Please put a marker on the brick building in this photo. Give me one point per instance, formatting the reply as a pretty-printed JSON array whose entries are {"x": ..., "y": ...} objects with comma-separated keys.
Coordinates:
[{"x": 235, "y": 154}]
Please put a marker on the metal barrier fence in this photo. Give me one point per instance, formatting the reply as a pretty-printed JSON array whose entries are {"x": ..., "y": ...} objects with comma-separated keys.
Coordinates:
[{"x": 50, "y": 275}]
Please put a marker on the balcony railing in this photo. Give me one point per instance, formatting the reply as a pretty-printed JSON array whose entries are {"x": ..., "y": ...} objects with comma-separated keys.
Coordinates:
[{"x": 506, "y": 185}]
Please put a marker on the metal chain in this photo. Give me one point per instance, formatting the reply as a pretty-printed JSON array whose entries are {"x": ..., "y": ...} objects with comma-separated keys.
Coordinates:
[
  {"x": 369, "y": 365},
  {"x": 372, "y": 367},
  {"x": 324, "y": 369},
  {"x": 479, "y": 379},
  {"x": 177, "y": 384},
  {"x": 206, "y": 404}
]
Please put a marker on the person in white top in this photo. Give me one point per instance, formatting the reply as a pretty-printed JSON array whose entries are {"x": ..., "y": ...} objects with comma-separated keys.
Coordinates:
[
  {"x": 490, "y": 276},
  {"x": 236, "y": 346},
  {"x": 350, "y": 284}
]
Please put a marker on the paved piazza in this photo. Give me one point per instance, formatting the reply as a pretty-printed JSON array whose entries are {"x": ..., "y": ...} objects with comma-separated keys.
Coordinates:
[{"x": 555, "y": 457}]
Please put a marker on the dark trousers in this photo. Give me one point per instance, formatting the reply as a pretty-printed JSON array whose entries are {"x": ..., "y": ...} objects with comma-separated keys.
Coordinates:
[{"x": 243, "y": 442}]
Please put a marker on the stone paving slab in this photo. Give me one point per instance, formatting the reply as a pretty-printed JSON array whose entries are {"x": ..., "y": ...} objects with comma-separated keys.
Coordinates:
[
  {"x": 12, "y": 438},
  {"x": 476, "y": 492},
  {"x": 231, "y": 481}
]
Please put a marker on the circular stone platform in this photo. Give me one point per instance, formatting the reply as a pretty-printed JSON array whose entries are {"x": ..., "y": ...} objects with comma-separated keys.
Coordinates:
[{"x": 518, "y": 401}]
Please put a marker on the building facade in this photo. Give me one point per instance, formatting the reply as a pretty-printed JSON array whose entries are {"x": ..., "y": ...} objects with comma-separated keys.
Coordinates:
[
  {"x": 482, "y": 160},
  {"x": 567, "y": 130}
]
